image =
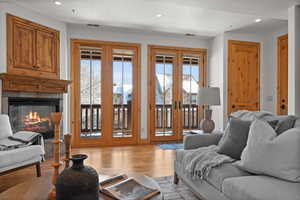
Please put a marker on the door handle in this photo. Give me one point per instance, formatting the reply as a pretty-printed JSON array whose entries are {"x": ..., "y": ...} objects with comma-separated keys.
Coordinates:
[
  {"x": 233, "y": 106},
  {"x": 179, "y": 105},
  {"x": 282, "y": 106},
  {"x": 175, "y": 105},
  {"x": 36, "y": 67}
]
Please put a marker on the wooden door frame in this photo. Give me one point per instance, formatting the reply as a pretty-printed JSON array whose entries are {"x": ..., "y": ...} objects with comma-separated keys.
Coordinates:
[
  {"x": 151, "y": 89},
  {"x": 279, "y": 39},
  {"x": 75, "y": 126},
  {"x": 230, "y": 43}
]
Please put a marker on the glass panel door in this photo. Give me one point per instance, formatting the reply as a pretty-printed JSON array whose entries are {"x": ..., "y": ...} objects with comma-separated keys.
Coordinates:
[
  {"x": 164, "y": 66},
  {"x": 189, "y": 91},
  {"x": 105, "y": 93},
  {"x": 90, "y": 92},
  {"x": 122, "y": 93}
]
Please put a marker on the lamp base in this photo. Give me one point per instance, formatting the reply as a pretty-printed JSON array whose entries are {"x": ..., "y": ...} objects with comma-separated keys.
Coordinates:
[{"x": 207, "y": 125}]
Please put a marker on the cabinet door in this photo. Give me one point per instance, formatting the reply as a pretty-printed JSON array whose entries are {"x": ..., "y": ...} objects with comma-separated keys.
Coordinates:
[
  {"x": 46, "y": 54},
  {"x": 23, "y": 46}
]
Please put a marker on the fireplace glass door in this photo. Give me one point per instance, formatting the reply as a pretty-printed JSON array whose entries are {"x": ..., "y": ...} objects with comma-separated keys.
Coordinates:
[{"x": 31, "y": 114}]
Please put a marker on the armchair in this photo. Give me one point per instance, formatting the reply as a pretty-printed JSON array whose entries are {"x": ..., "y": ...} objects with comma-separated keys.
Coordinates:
[{"x": 14, "y": 159}]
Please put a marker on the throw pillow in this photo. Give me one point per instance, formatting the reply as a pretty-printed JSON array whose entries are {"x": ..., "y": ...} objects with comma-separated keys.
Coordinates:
[
  {"x": 235, "y": 139},
  {"x": 269, "y": 154},
  {"x": 286, "y": 124},
  {"x": 5, "y": 128}
]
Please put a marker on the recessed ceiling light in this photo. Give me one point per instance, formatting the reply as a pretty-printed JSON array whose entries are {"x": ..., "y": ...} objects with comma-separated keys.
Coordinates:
[
  {"x": 258, "y": 20},
  {"x": 159, "y": 15},
  {"x": 57, "y": 3}
]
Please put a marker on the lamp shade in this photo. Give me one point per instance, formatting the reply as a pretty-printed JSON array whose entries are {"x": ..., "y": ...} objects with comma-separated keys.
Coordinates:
[{"x": 209, "y": 96}]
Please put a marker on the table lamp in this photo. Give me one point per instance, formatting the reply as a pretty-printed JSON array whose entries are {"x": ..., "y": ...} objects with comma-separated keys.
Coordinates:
[{"x": 208, "y": 96}]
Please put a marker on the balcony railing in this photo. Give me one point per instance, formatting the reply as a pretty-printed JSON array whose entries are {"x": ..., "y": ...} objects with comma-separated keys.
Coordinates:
[
  {"x": 190, "y": 115},
  {"x": 91, "y": 116},
  {"x": 164, "y": 119}
]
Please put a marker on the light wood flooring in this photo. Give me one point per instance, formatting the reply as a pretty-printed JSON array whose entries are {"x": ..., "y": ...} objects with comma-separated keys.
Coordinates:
[{"x": 146, "y": 159}]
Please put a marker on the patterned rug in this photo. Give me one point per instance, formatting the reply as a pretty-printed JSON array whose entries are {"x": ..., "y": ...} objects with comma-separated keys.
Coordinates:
[{"x": 174, "y": 192}]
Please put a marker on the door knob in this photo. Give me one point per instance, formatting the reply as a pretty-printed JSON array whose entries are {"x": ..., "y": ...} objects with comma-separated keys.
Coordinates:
[
  {"x": 175, "y": 105},
  {"x": 233, "y": 106},
  {"x": 282, "y": 106}
]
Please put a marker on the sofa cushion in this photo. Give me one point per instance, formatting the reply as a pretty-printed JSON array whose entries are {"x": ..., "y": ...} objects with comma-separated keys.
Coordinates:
[
  {"x": 297, "y": 123},
  {"x": 285, "y": 122},
  {"x": 181, "y": 152},
  {"x": 235, "y": 139},
  {"x": 5, "y": 128},
  {"x": 260, "y": 188},
  {"x": 14, "y": 156},
  {"x": 218, "y": 174},
  {"x": 269, "y": 154}
]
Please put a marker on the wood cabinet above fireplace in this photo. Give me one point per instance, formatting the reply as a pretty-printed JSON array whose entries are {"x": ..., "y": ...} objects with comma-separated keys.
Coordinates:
[{"x": 32, "y": 49}]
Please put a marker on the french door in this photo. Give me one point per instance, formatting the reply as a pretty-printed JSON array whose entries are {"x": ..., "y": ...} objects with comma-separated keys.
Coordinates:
[
  {"x": 175, "y": 75},
  {"x": 105, "y": 98}
]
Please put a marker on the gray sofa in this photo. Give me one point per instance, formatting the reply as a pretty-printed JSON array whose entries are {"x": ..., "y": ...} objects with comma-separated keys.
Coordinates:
[{"x": 228, "y": 182}]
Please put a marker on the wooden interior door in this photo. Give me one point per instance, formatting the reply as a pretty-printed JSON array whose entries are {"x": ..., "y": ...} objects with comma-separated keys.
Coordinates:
[
  {"x": 282, "y": 75},
  {"x": 105, "y": 93},
  {"x": 46, "y": 54},
  {"x": 175, "y": 75},
  {"x": 243, "y": 76}
]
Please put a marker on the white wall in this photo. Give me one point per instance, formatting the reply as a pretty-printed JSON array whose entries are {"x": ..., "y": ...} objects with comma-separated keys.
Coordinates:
[
  {"x": 268, "y": 69},
  {"x": 82, "y": 32},
  {"x": 294, "y": 61},
  {"x": 216, "y": 78},
  {"x": 33, "y": 16}
]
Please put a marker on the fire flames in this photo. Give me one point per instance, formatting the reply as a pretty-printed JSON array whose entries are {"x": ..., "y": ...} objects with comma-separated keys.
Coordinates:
[
  {"x": 33, "y": 117},
  {"x": 34, "y": 122}
]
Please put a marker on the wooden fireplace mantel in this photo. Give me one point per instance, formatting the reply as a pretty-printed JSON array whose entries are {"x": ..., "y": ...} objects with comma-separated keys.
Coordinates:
[{"x": 22, "y": 83}]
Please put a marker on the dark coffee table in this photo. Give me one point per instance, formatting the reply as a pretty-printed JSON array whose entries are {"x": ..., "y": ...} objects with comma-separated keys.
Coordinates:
[{"x": 38, "y": 188}]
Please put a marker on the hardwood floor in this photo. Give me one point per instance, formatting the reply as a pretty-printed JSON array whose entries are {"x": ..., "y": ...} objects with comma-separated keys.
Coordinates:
[{"x": 145, "y": 159}]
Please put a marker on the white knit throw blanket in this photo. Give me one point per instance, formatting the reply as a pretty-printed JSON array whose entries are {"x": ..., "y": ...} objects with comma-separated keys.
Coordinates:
[{"x": 199, "y": 162}]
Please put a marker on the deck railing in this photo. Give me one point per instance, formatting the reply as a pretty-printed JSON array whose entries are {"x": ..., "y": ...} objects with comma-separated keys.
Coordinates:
[{"x": 91, "y": 116}]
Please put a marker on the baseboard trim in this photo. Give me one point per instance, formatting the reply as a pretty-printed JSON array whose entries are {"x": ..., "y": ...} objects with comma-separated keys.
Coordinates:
[{"x": 144, "y": 141}]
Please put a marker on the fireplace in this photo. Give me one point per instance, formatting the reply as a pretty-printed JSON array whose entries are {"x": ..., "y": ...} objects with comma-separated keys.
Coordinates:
[{"x": 33, "y": 114}]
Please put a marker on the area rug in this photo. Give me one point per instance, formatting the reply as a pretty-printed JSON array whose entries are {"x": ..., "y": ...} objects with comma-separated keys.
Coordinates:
[
  {"x": 171, "y": 146},
  {"x": 174, "y": 192}
]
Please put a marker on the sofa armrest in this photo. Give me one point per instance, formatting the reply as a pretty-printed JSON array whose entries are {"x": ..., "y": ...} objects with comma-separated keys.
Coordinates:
[{"x": 200, "y": 140}]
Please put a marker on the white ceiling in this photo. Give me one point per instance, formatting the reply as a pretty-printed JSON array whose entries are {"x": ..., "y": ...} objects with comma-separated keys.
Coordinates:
[
  {"x": 200, "y": 17},
  {"x": 265, "y": 27}
]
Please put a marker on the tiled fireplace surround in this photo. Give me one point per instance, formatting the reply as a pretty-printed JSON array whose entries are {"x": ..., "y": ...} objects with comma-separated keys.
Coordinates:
[{"x": 10, "y": 98}]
